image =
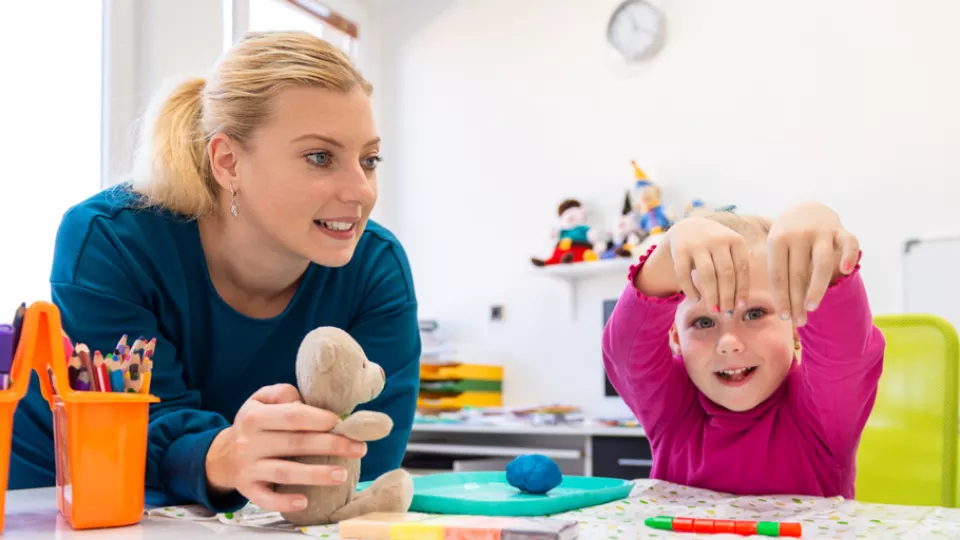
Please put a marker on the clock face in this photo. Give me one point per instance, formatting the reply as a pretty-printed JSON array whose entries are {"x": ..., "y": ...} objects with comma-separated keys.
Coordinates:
[{"x": 636, "y": 29}]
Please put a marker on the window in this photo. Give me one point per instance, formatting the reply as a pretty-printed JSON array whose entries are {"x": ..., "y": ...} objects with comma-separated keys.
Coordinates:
[
  {"x": 306, "y": 15},
  {"x": 51, "y": 149}
]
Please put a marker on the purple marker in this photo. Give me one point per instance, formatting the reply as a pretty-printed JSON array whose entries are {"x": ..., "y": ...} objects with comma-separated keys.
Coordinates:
[{"x": 6, "y": 354}]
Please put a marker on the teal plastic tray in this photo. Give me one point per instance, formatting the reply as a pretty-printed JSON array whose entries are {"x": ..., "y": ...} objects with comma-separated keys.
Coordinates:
[{"x": 489, "y": 494}]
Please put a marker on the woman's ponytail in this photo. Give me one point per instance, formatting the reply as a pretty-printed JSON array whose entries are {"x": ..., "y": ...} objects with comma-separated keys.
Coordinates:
[{"x": 172, "y": 168}]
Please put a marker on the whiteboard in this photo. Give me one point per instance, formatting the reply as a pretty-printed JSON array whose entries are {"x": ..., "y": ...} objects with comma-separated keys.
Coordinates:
[{"x": 931, "y": 273}]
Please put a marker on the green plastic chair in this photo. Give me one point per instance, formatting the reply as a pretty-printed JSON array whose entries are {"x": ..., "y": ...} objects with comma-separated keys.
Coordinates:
[{"x": 908, "y": 452}]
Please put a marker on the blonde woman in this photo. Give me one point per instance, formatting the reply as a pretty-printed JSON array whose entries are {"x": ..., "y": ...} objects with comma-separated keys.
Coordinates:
[{"x": 246, "y": 226}]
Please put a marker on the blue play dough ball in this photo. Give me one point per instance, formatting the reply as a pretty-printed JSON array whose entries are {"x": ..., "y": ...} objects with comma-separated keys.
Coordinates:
[{"x": 534, "y": 473}]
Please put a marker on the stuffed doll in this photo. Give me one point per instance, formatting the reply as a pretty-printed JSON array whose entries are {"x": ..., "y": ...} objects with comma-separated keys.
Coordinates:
[
  {"x": 574, "y": 238},
  {"x": 333, "y": 373},
  {"x": 626, "y": 234},
  {"x": 652, "y": 217}
]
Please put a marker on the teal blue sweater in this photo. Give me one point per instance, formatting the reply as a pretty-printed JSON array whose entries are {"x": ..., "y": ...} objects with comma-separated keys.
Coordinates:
[{"x": 119, "y": 270}]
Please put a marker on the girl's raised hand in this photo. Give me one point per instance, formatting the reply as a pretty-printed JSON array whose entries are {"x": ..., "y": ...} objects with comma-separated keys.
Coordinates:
[
  {"x": 720, "y": 257},
  {"x": 807, "y": 249}
]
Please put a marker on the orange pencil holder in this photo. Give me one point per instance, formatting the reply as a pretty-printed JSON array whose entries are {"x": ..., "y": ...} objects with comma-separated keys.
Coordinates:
[
  {"x": 100, "y": 438},
  {"x": 9, "y": 399}
]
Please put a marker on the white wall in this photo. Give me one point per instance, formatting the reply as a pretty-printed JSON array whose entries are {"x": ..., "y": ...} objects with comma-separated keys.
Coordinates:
[
  {"x": 50, "y": 140},
  {"x": 499, "y": 109}
]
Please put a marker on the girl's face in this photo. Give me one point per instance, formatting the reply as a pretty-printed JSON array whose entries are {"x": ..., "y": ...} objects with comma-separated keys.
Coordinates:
[
  {"x": 739, "y": 360},
  {"x": 308, "y": 181}
]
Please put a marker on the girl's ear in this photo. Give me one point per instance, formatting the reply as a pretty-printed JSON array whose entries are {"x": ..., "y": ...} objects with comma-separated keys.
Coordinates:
[{"x": 675, "y": 340}]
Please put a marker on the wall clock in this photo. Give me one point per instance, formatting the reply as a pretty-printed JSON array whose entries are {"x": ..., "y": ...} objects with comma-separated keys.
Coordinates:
[{"x": 636, "y": 30}]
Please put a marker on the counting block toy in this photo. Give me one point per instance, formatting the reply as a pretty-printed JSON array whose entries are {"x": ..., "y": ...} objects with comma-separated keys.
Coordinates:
[{"x": 415, "y": 526}]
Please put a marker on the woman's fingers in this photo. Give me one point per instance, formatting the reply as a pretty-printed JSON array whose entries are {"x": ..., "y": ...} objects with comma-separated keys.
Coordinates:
[
  {"x": 262, "y": 495},
  {"x": 849, "y": 248},
  {"x": 726, "y": 279},
  {"x": 799, "y": 265},
  {"x": 277, "y": 393},
  {"x": 707, "y": 279},
  {"x": 289, "y": 472},
  {"x": 297, "y": 443},
  {"x": 741, "y": 265},
  {"x": 291, "y": 416},
  {"x": 824, "y": 262}
]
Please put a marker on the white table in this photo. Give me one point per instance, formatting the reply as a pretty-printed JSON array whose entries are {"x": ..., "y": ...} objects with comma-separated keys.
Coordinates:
[{"x": 32, "y": 514}]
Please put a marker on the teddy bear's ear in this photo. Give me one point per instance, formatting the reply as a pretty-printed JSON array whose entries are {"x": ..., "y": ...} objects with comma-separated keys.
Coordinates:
[{"x": 318, "y": 351}]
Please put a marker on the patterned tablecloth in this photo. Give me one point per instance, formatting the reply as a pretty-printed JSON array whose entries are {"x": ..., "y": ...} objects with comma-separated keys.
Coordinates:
[{"x": 821, "y": 518}]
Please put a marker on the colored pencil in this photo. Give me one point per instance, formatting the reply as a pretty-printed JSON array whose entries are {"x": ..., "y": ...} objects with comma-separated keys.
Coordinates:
[
  {"x": 84, "y": 353},
  {"x": 121, "y": 349},
  {"x": 6, "y": 355},
  {"x": 116, "y": 372},
  {"x": 67, "y": 346},
  {"x": 100, "y": 372},
  {"x": 83, "y": 379},
  {"x": 73, "y": 370},
  {"x": 131, "y": 377}
]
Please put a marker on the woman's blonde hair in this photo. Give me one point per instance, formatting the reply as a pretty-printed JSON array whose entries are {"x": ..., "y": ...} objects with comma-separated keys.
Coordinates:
[{"x": 172, "y": 167}]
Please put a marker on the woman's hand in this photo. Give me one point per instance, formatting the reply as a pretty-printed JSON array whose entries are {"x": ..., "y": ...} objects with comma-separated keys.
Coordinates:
[
  {"x": 720, "y": 257},
  {"x": 273, "y": 424},
  {"x": 808, "y": 248}
]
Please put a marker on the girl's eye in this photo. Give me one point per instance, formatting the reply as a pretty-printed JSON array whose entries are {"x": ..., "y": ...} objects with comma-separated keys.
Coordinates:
[
  {"x": 754, "y": 314},
  {"x": 702, "y": 323},
  {"x": 320, "y": 159},
  {"x": 371, "y": 162}
]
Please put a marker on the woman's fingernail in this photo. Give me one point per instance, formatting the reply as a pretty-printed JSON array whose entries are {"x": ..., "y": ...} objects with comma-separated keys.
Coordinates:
[
  {"x": 811, "y": 306},
  {"x": 716, "y": 309},
  {"x": 785, "y": 316},
  {"x": 338, "y": 475},
  {"x": 300, "y": 503},
  {"x": 847, "y": 267},
  {"x": 729, "y": 313}
]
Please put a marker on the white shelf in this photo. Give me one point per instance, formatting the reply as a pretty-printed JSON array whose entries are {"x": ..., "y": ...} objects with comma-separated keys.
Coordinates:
[{"x": 587, "y": 269}]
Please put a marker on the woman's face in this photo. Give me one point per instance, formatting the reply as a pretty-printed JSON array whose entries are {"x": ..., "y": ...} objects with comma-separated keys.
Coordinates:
[{"x": 308, "y": 175}]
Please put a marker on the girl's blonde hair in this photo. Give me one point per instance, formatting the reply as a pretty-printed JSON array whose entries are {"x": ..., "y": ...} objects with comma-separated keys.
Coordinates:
[
  {"x": 172, "y": 167},
  {"x": 751, "y": 227}
]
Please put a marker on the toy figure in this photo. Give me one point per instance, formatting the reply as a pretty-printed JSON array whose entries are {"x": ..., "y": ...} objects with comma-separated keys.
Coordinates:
[
  {"x": 651, "y": 215},
  {"x": 574, "y": 238},
  {"x": 333, "y": 373},
  {"x": 626, "y": 234},
  {"x": 697, "y": 207}
]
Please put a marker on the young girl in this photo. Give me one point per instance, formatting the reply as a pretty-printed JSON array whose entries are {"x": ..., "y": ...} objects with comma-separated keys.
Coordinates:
[{"x": 702, "y": 345}]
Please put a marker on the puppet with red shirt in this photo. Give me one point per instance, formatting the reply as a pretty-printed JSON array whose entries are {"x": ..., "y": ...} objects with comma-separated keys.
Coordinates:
[{"x": 574, "y": 238}]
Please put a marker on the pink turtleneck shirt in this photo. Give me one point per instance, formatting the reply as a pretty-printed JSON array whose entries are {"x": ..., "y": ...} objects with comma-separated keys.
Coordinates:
[{"x": 801, "y": 441}]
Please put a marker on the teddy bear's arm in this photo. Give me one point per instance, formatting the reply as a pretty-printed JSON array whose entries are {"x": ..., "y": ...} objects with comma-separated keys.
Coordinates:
[{"x": 365, "y": 426}]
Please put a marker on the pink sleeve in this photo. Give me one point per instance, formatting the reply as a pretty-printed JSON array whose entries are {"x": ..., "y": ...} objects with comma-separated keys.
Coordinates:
[
  {"x": 638, "y": 359},
  {"x": 841, "y": 358}
]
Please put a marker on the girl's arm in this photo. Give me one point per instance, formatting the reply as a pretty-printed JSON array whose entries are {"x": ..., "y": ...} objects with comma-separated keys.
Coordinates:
[
  {"x": 636, "y": 348},
  {"x": 841, "y": 361}
]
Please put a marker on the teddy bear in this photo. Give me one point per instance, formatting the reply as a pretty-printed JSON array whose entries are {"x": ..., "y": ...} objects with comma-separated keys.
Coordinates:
[
  {"x": 334, "y": 374},
  {"x": 573, "y": 239}
]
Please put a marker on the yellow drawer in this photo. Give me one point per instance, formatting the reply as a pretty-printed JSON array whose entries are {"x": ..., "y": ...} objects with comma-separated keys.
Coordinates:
[
  {"x": 466, "y": 399},
  {"x": 460, "y": 371}
]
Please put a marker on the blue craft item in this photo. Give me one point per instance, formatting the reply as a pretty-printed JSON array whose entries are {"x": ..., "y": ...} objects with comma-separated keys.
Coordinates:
[{"x": 534, "y": 473}]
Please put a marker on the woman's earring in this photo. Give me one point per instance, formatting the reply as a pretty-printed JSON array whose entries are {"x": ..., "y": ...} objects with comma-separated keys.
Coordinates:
[
  {"x": 233, "y": 202},
  {"x": 796, "y": 344}
]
